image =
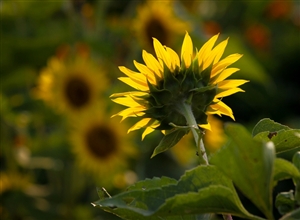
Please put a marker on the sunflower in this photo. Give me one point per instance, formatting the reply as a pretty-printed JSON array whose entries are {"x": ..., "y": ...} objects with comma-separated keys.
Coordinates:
[
  {"x": 71, "y": 85},
  {"x": 167, "y": 84},
  {"x": 214, "y": 138},
  {"x": 184, "y": 152},
  {"x": 101, "y": 148},
  {"x": 157, "y": 19}
]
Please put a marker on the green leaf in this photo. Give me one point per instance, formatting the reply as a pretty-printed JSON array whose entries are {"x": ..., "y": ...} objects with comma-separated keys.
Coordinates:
[
  {"x": 296, "y": 160},
  {"x": 285, "y": 202},
  {"x": 201, "y": 190},
  {"x": 249, "y": 163},
  {"x": 269, "y": 125},
  {"x": 283, "y": 137},
  {"x": 284, "y": 169},
  {"x": 294, "y": 215},
  {"x": 169, "y": 140}
]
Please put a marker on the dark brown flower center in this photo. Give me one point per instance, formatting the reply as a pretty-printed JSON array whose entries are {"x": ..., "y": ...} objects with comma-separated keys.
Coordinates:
[
  {"x": 101, "y": 141},
  {"x": 155, "y": 28},
  {"x": 77, "y": 92}
]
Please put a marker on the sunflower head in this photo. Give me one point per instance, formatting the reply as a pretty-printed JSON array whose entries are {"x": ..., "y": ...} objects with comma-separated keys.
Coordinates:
[
  {"x": 71, "y": 84},
  {"x": 157, "y": 19},
  {"x": 102, "y": 150},
  {"x": 167, "y": 82}
]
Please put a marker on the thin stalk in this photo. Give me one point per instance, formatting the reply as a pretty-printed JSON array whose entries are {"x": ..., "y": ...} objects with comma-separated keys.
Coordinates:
[{"x": 186, "y": 110}]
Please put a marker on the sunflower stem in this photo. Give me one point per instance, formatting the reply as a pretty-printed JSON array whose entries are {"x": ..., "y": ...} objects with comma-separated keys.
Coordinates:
[{"x": 186, "y": 110}]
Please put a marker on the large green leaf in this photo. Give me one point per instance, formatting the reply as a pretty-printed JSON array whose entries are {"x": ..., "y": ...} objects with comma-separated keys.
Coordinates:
[
  {"x": 283, "y": 137},
  {"x": 249, "y": 163},
  {"x": 294, "y": 215},
  {"x": 201, "y": 190},
  {"x": 284, "y": 169}
]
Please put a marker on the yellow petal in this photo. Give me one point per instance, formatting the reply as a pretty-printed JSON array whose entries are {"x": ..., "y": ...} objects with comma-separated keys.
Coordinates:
[
  {"x": 147, "y": 131},
  {"x": 135, "y": 76},
  {"x": 131, "y": 93},
  {"x": 150, "y": 129},
  {"x": 140, "y": 124},
  {"x": 224, "y": 74},
  {"x": 218, "y": 67},
  {"x": 215, "y": 54},
  {"x": 223, "y": 109},
  {"x": 206, "y": 126},
  {"x": 146, "y": 71},
  {"x": 206, "y": 48},
  {"x": 228, "y": 92},
  {"x": 126, "y": 101},
  {"x": 228, "y": 84},
  {"x": 152, "y": 63},
  {"x": 134, "y": 84},
  {"x": 187, "y": 50},
  {"x": 131, "y": 112},
  {"x": 174, "y": 58},
  {"x": 161, "y": 53}
]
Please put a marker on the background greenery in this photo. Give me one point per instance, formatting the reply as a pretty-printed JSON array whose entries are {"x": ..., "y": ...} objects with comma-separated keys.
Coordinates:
[{"x": 266, "y": 32}]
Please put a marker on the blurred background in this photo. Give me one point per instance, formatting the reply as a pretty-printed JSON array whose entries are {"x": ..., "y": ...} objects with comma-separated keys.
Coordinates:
[{"x": 59, "y": 65}]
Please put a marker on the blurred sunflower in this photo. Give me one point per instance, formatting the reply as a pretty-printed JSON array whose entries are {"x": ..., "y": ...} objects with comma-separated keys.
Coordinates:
[
  {"x": 71, "y": 85},
  {"x": 101, "y": 148},
  {"x": 167, "y": 86},
  {"x": 216, "y": 137},
  {"x": 157, "y": 19},
  {"x": 184, "y": 152},
  {"x": 14, "y": 181}
]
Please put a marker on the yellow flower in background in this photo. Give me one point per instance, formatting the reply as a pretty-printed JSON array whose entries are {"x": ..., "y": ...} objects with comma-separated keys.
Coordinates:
[
  {"x": 215, "y": 138},
  {"x": 157, "y": 19},
  {"x": 167, "y": 81},
  {"x": 14, "y": 181},
  {"x": 71, "y": 85},
  {"x": 184, "y": 152},
  {"x": 101, "y": 148}
]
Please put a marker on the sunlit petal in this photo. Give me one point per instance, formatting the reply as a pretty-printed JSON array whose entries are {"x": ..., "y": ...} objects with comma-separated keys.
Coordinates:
[
  {"x": 161, "y": 53},
  {"x": 228, "y": 92},
  {"x": 187, "y": 50}
]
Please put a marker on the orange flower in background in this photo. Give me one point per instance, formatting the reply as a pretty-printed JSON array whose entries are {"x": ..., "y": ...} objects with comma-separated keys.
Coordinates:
[{"x": 259, "y": 36}]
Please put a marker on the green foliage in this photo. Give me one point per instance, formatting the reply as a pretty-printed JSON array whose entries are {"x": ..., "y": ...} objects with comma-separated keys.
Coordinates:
[
  {"x": 201, "y": 190},
  {"x": 283, "y": 137},
  {"x": 248, "y": 162}
]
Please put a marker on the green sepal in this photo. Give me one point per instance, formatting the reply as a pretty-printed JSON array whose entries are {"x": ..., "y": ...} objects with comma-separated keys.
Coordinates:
[
  {"x": 188, "y": 81},
  {"x": 205, "y": 75},
  {"x": 204, "y": 89},
  {"x": 170, "y": 83},
  {"x": 170, "y": 140}
]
